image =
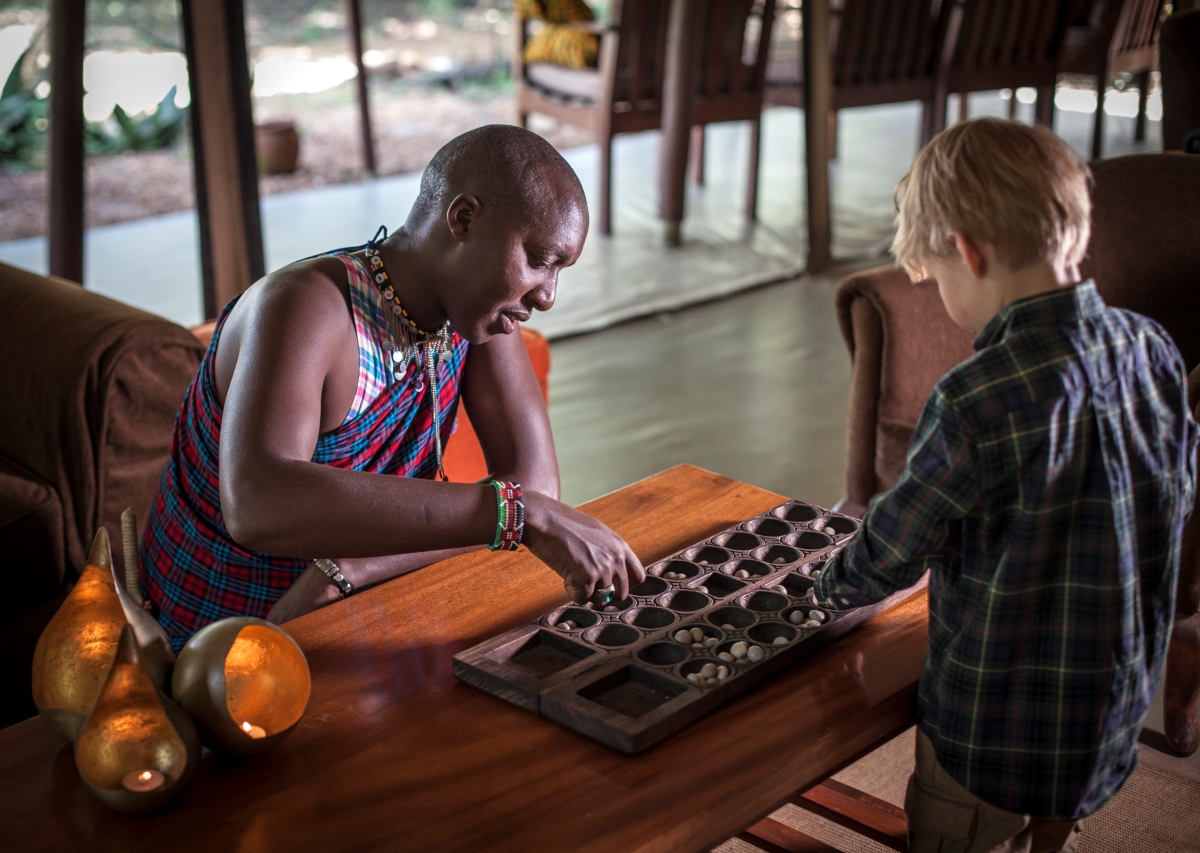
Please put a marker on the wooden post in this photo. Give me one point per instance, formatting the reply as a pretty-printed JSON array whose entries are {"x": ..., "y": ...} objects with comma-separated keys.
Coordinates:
[
  {"x": 354, "y": 22},
  {"x": 679, "y": 86},
  {"x": 817, "y": 102},
  {"x": 67, "y": 22},
  {"x": 223, "y": 144}
]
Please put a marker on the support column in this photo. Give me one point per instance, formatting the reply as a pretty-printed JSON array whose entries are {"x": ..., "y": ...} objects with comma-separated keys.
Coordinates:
[
  {"x": 223, "y": 144},
  {"x": 818, "y": 99},
  {"x": 68, "y": 19},
  {"x": 354, "y": 24}
]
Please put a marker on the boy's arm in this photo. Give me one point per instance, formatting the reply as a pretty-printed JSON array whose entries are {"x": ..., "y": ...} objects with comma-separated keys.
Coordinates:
[
  {"x": 906, "y": 525},
  {"x": 501, "y": 394}
]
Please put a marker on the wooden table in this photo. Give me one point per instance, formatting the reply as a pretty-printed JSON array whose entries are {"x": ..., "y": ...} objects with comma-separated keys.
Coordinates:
[{"x": 394, "y": 753}]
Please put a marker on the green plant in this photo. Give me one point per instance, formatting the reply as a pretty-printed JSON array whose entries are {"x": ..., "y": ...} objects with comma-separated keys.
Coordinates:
[
  {"x": 123, "y": 132},
  {"x": 22, "y": 119}
]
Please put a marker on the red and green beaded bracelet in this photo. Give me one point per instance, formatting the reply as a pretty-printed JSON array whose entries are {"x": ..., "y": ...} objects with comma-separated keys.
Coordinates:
[{"x": 510, "y": 516}]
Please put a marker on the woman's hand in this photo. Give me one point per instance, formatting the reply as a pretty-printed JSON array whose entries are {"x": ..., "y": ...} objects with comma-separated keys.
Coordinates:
[
  {"x": 584, "y": 551},
  {"x": 311, "y": 591}
]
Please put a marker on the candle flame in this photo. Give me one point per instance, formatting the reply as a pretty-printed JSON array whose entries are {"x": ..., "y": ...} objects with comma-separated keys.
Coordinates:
[
  {"x": 144, "y": 775},
  {"x": 246, "y": 727}
]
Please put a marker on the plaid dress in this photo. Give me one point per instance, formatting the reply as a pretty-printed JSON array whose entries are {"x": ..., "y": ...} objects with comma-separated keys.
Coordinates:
[
  {"x": 1047, "y": 484},
  {"x": 193, "y": 573}
]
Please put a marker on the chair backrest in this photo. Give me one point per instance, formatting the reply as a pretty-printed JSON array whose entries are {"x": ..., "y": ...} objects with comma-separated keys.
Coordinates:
[
  {"x": 884, "y": 50},
  {"x": 1008, "y": 43},
  {"x": 1143, "y": 253},
  {"x": 641, "y": 54},
  {"x": 1136, "y": 27},
  {"x": 737, "y": 36}
]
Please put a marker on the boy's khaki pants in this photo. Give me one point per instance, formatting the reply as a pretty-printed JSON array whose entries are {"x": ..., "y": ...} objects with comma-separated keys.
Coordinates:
[{"x": 943, "y": 817}]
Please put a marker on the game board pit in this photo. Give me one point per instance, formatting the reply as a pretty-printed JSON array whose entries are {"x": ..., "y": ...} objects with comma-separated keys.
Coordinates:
[
  {"x": 612, "y": 635},
  {"x": 737, "y": 617},
  {"x": 738, "y": 541},
  {"x": 840, "y": 526},
  {"x": 663, "y": 654},
  {"x": 676, "y": 570},
  {"x": 768, "y": 633},
  {"x": 762, "y": 601},
  {"x": 772, "y": 528},
  {"x": 705, "y": 672},
  {"x": 795, "y": 512},
  {"x": 580, "y": 617},
  {"x": 603, "y": 609},
  {"x": 540, "y": 653},
  {"x": 809, "y": 540},
  {"x": 726, "y": 652},
  {"x": 706, "y": 555},
  {"x": 684, "y": 600},
  {"x": 747, "y": 569},
  {"x": 777, "y": 555},
  {"x": 632, "y": 691},
  {"x": 651, "y": 586},
  {"x": 720, "y": 586},
  {"x": 650, "y": 618}
]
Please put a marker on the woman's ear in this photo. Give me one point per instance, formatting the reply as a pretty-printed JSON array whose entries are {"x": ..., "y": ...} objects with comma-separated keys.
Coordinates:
[{"x": 971, "y": 252}]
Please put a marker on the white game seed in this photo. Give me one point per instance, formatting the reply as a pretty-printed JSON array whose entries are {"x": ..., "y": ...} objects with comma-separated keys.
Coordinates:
[
  {"x": 711, "y": 641},
  {"x": 692, "y": 677},
  {"x": 702, "y": 563},
  {"x": 612, "y": 608},
  {"x": 755, "y": 654},
  {"x": 797, "y": 617},
  {"x": 683, "y": 636},
  {"x": 697, "y": 645},
  {"x": 708, "y": 670},
  {"x": 702, "y": 589},
  {"x": 741, "y": 573},
  {"x": 779, "y": 641},
  {"x": 727, "y": 627},
  {"x": 779, "y": 560},
  {"x": 722, "y": 672},
  {"x": 739, "y": 649},
  {"x": 562, "y": 626},
  {"x": 830, "y": 531},
  {"x": 697, "y": 635},
  {"x": 812, "y": 623},
  {"x": 726, "y": 656},
  {"x": 710, "y": 680}
]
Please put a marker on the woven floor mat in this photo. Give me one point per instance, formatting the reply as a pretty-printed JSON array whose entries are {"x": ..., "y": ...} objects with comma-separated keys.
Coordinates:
[{"x": 1158, "y": 810}]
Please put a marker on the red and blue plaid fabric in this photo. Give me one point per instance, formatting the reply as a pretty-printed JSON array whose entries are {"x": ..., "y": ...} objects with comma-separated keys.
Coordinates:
[
  {"x": 1047, "y": 484},
  {"x": 193, "y": 573}
]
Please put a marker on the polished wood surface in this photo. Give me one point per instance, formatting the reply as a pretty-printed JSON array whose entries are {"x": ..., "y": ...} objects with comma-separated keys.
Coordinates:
[{"x": 394, "y": 753}]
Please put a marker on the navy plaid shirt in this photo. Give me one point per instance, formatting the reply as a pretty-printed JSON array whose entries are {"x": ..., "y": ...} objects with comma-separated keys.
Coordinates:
[{"x": 1047, "y": 485}]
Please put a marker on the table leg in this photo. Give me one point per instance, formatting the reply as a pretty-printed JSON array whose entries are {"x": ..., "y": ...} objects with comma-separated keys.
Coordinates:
[
  {"x": 682, "y": 61},
  {"x": 818, "y": 99}
]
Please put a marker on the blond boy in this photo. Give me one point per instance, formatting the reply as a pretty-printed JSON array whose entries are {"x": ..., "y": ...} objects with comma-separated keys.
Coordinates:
[{"x": 1048, "y": 480}]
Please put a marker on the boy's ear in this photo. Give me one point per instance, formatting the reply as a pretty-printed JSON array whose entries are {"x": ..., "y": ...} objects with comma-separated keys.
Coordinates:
[
  {"x": 461, "y": 215},
  {"x": 971, "y": 252}
]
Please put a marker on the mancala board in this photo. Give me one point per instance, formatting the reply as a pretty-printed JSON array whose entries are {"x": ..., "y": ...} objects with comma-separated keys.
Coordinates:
[{"x": 622, "y": 677}]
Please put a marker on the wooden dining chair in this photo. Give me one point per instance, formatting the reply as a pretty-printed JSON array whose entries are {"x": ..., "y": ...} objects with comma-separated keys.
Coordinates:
[
  {"x": 882, "y": 52},
  {"x": 1118, "y": 36},
  {"x": 623, "y": 95},
  {"x": 1009, "y": 44},
  {"x": 731, "y": 84}
]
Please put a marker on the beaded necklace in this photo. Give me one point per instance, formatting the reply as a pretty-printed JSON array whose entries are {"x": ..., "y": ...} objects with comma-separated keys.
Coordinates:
[{"x": 412, "y": 344}]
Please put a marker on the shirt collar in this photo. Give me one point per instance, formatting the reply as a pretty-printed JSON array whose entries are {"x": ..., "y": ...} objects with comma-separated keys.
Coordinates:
[{"x": 1059, "y": 307}]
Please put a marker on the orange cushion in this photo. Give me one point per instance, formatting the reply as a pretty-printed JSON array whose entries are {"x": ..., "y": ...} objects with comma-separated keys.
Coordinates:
[{"x": 464, "y": 460}]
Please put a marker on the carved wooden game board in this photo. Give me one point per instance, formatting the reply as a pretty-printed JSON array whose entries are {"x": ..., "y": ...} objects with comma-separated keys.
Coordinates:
[{"x": 622, "y": 677}]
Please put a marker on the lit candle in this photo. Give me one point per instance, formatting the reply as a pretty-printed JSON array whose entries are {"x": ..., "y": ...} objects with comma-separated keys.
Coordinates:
[
  {"x": 256, "y": 732},
  {"x": 141, "y": 781}
]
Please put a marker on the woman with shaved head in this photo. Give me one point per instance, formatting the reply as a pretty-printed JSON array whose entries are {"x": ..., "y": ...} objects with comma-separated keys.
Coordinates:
[{"x": 307, "y": 451}]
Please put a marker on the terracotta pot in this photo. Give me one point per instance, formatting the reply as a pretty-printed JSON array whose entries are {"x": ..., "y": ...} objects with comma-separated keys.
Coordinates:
[{"x": 278, "y": 146}]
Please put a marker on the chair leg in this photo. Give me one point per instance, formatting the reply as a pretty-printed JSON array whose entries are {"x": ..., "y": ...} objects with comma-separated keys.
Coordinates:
[
  {"x": 833, "y": 134},
  {"x": 1098, "y": 122},
  {"x": 1012, "y": 105},
  {"x": 752, "y": 176},
  {"x": 606, "y": 146},
  {"x": 523, "y": 119},
  {"x": 1143, "y": 84},
  {"x": 696, "y": 156},
  {"x": 1045, "y": 106},
  {"x": 1181, "y": 696}
]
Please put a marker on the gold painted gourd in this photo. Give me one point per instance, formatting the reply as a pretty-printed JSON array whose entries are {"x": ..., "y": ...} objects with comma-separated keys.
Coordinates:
[
  {"x": 244, "y": 681},
  {"x": 76, "y": 649},
  {"x": 137, "y": 752}
]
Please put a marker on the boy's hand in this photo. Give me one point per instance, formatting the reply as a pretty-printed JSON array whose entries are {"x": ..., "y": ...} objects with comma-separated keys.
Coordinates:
[{"x": 584, "y": 551}]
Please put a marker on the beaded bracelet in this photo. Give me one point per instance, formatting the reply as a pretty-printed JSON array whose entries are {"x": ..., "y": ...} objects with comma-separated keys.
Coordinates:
[{"x": 510, "y": 516}]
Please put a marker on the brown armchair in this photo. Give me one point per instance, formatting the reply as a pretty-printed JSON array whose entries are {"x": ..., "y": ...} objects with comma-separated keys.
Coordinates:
[
  {"x": 1143, "y": 256},
  {"x": 91, "y": 388}
]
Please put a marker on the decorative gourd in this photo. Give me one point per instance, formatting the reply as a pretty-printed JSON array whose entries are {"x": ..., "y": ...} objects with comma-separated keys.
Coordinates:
[
  {"x": 137, "y": 752},
  {"x": 244, "y": 681}
]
